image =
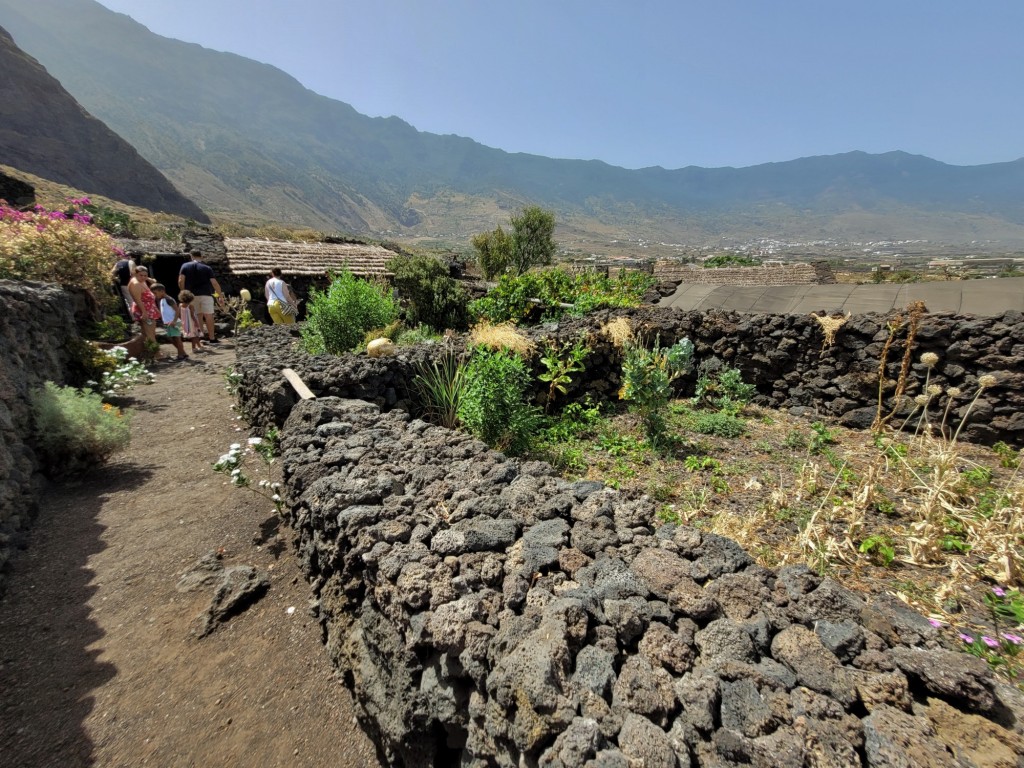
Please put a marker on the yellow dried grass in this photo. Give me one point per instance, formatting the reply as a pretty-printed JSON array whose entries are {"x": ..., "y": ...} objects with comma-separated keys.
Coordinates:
[{"x": 502, "y": 336}]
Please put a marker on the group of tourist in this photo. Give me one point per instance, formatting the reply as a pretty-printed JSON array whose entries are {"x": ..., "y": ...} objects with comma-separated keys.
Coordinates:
[{"x": 192, "y": 315}]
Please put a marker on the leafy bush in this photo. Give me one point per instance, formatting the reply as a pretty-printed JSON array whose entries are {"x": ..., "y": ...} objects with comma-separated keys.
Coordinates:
[
  {"x": 418, "y": 335},
  {"x": 75, "y": 429},
  {"x": 52, "y": 247},
  {"x": 111, "y": 328},
  {"x": 647, "y": 376},
  {"x": 723, "y": 391},
  {"x": 493, "y": 405},
  {"x": 509, "y": 300},
  {"x": 435, "y": 298},
  {"x": 720, "y": 424},
  {"x": 493, "y": 252},
  {"x": 730, "y": 260},
  {"x": 338, "y": 318}
]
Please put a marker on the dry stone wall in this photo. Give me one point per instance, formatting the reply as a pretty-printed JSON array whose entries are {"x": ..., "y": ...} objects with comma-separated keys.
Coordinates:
[
  {"x": 36, "y": 322},
  {"x": 780, "y": 274},
  {"x": 784, "y": 356},
  {"x": 486, "y": 612}
]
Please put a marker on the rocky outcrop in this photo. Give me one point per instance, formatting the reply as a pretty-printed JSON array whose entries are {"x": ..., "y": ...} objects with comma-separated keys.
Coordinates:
[
  {"x": 36, "y": 326},
  {"x": 47, "y": 133},
  {"x": 489, "y": 613},
  {"x": 784, "y": 356}
]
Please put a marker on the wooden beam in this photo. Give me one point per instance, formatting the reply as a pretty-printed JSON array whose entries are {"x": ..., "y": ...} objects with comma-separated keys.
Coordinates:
[{"x": 300, "y": 388}]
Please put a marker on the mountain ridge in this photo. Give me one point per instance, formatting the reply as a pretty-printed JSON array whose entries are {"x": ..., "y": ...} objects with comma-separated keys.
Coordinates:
[
  {"x": 46, "y": 130},
  {"x": 249, "y": 140}
]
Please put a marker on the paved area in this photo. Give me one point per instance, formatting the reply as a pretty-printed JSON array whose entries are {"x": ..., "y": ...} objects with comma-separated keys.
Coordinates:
[{"x": 963, "y": 297}]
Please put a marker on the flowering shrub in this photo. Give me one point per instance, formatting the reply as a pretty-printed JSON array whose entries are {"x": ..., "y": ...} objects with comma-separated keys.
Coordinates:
[
  {"x": 75, "y": 429},
  {"x": 235, "y": 464},
  {"x": 53, "y": 246},
  {"x": 126, "y": 373},
  {"x": 1002, "y": 648}
]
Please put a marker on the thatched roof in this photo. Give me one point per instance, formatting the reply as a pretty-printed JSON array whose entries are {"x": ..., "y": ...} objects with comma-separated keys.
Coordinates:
[{"x": 253, "y": 256}]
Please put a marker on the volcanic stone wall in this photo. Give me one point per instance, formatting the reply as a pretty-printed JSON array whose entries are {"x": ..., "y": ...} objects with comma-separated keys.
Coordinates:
[
  {"x": 782, "y": 274},
  {"x": 784, "y": 356},
  {"x": 487, "y": 613},
  {"x": 36, "y": 322}
]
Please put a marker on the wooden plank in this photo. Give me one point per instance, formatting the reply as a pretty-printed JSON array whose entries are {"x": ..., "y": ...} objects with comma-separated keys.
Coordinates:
[{"x": 297, "y": 384}]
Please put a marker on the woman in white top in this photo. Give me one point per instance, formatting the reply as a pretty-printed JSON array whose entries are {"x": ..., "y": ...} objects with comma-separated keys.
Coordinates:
[{"x": 281, "y": 304}]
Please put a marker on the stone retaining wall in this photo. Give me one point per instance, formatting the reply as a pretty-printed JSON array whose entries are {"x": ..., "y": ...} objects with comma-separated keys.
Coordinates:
[
  {"x": 782, "y": 355},
  {"x": 784, "y": 274},
  {"x": 487, "y": 613},
  {"x": 36, "y": 322}
]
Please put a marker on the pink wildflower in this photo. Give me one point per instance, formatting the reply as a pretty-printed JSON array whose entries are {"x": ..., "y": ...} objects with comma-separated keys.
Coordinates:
[
  {"x": 966, "y": 638},
  {"x": 935, "y": 623},
  {"x": 1015, "y": 639},
  {"x": 998, "y": 591}
]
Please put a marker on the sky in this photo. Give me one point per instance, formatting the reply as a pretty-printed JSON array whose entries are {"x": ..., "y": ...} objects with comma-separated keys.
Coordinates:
[{"x": 640, "y": 83}]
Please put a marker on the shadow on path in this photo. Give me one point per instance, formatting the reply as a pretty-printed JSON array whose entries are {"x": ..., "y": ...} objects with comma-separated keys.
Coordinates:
[{"x": 48, "y": 672}]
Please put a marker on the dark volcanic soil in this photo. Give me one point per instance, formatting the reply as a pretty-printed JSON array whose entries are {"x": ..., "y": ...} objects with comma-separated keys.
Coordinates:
[{"x": 99, "y": 664}]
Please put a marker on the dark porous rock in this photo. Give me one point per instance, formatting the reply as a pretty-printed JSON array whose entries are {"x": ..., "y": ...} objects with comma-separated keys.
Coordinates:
[
  {"x": 717, "y": 557},
  {"x": 665, "y": 648},
  {"x": 796, "y": 581},
  {"x": 595, "y": 670},
  {"x": 642, "y": 741},
  {"x": 859, "y": 418},
  {"x": 897, "y": 624},
  {"x": 476, "y": 535},
  {"x": 579, "y": 742},
  {"x": 609, "y": 758},
  {"x": 692, "y": 602},
  {"x": 701, "y": 696},
  {"x": 894, "y": 739},
  {"x": 593, "y": 537},
  {"x": 845, "y": 639},
  {"x": 725, "y": 639},
  {"x": 661, "y": 571},
  {"x": 955, "y": 677},
  {"x": 829, "y": 601},
  {"x": 629, "y": 617},
  {"x": 542, "y": 542},
  {"x": 814, "y": 665},
  {"x": 739, "y": 595},
  {"x": 744, "y": 710},
  {"x": 644, "y": 689}
]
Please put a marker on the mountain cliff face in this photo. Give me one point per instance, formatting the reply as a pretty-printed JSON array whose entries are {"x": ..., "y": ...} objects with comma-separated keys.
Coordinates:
[
  {"x": 44, "y": 131},
  {"x": 246, "y": 139}
]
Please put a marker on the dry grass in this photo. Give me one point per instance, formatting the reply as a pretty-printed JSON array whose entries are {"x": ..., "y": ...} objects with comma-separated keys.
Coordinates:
[
  {"x": 503, "y": 336},
  {"x": 618, "y": 331},
  {"x": 830, "y": 325}
]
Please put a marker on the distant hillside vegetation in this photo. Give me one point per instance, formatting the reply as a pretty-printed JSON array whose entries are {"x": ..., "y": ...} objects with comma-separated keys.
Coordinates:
[
  {"x": 44, "y": 131},
  {"x": 248, "y": 141}
]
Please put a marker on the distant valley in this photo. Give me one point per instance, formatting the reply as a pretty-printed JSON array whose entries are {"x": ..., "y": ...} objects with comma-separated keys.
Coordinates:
[{"x": 248, "y": 143}]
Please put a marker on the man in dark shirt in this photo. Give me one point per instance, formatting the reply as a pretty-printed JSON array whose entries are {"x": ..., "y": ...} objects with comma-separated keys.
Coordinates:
[{"x": 198, "y": 277}]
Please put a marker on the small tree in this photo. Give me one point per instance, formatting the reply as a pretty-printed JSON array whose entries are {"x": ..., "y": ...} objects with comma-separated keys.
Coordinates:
[
  {"x": 435, "y": 298},
  {"x": 533, "y": 231},
  {"x": 493, "y": 252}
]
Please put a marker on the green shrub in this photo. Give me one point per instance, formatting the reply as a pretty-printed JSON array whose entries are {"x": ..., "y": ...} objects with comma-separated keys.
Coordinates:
[
  {"x": 338, "y": 318},
  {"x": 720, "y": 424},
  {"x": 647, "y": 376},
  {"x": 435, "y": 298},
  {"x": 493, "y": 405},
  {"x": 110, "y": 328},
  {"x": 724, "y": 390},
  {"x": 509, "y": 300},
  {"x": 730, "y": 260},
  {"x": 75, "y": 429},
  {"x": 418, "y": 335}
]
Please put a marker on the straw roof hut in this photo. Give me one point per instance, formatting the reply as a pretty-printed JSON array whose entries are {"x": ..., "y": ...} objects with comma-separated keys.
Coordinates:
[{"x": 250, "y": 256}]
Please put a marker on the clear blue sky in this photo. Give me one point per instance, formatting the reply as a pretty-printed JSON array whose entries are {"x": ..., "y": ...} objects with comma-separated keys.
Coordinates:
[{"x": 649, "y": 82}]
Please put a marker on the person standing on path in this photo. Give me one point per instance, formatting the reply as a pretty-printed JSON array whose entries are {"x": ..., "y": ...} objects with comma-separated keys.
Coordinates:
[
  {"x": 171, "y": 317},
  {"x": 123, "y": 272},
  {"x": 144, "y": 309},
  {"x": 198, "y": 278},
  {"x": 279, "y": 297}
]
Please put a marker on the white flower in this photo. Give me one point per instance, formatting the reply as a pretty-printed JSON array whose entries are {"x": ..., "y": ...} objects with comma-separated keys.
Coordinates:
[
  {"x": 954, "y": 392},
  {"x": 275, "y": 498},
  {"x": 235, "y": 446},
  {"x": 921, "y": 399},
  {"x": 987, "y": 380},
  {"x": 235, "y": 472},
  {"x": 275, "y": 486},
  {"x": 934, "y": 389},
  {"x": 255, "y": 440},
  {"x": 929, "y": 359}
]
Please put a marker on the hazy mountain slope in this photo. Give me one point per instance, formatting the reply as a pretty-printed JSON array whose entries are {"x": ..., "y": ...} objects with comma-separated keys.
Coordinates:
[
  {"x": 44, "y": 131},
  {"x": 247, "y": 139}
]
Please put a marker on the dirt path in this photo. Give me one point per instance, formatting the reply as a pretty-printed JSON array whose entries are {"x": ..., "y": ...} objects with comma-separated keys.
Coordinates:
[{"x": 98, "y": 663}]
